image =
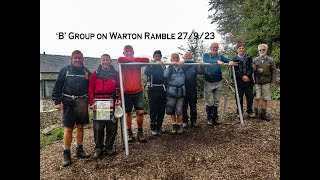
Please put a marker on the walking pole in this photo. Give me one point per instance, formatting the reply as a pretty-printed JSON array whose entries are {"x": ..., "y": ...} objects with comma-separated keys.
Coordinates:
[
  {"x": 226, "y": 95},
  {"x": 124, "y": 127},
  {"x": 237, "y": 94}
]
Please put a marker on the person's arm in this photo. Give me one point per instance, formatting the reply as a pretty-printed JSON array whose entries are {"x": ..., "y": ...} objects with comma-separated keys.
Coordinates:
[
  {"x": 124, "y": 60},
  {"x": 118, "y": 92},
  {"x": 168, "y": 72},
  {"x": 273, "y": 71},
  {"x": 148, "y": 71},
  {"x": 237, "y": 70},
  {"x": 249, "y": 67},
  {"x": 57, "y": 89},
  {"x": 141, "y": 59},
  {"x": 207, "y": 59},
  {"x": 92, "y": 86},
  {"x": 224, "y": 59}
]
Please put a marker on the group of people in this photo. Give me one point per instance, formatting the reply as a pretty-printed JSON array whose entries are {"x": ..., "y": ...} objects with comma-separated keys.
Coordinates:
[{"x": 171, "y": 89}]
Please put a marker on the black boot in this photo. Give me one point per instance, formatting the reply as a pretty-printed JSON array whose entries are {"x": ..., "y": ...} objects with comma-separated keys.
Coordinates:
[
  {"x": 81, "y": 153},
  {"x": 264, "y": 116},
  {"x": 97, "y": 154},
  {"x": 215, "y": 115},
  {"x": 256, "y": 112},
  {"x": 66, "y": 158},
  {"x": 209, "y": 112},
  {"x": 209, "y": 119}
]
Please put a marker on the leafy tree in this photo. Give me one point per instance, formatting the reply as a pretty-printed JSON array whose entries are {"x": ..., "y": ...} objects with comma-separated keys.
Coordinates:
[{"x": 251, "y": 21}]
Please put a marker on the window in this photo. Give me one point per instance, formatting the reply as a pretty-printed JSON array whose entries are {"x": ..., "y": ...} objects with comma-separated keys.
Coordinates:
[{"x": 47, "y": 87}]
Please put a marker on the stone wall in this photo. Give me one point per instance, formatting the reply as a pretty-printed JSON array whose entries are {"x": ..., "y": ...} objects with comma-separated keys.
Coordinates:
[{"x": 51, "y": 120}]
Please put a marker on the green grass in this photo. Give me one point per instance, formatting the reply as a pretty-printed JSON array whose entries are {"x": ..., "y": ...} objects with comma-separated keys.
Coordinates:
[{"x": 48, "y": 139}]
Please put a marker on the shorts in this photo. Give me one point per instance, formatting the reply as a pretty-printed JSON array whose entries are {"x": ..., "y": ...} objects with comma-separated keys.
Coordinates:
[
  {"x": 174, "y": 106},
  {"x": 134, "y": 100},
  {"x": 263, "y": 91},
  {"x": 76, "y": 113}
]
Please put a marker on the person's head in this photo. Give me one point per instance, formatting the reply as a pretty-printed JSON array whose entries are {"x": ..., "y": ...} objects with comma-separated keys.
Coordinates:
[
  {"x": 187, "y": 56},
  {"x": 262, "y": 48},
  {"x": 175, "y": 57},
  {"x": 214, "y": 48},
  {"x": 105, "y": 61},
  {"x": 241, "y": 49},
  {"x": 77, "y": 58},
  {"x": 128, "y": 51},
  {"x": 157, "y": 55}
]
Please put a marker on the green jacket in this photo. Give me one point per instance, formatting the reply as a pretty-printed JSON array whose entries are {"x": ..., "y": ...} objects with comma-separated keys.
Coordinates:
[{"x": 269, "y": 70}]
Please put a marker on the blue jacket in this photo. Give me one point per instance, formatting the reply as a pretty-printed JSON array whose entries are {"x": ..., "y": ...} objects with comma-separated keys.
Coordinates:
[
  {"x": 175, "y": 82},
  {"x": 191, "y": 76},
  {"x": 213, "y": 73}
]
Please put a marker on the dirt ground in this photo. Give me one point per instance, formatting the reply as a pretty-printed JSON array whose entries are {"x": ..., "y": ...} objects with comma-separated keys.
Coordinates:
[{"x": 229, "y": 151}]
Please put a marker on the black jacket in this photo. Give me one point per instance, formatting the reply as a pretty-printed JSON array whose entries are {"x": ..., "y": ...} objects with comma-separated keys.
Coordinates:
[
  {"x": 71, "y": 81},
  {"x": 244, "y": 68}
]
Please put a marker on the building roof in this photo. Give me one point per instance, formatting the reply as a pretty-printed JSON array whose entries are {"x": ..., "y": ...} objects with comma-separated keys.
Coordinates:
[{"x": 54, "y": 63}]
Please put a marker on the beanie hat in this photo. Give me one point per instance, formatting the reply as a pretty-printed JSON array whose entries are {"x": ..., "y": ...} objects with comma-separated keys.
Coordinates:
[
  {"x": 240, "y": 44},
  {"x": 157, "y": 52}
]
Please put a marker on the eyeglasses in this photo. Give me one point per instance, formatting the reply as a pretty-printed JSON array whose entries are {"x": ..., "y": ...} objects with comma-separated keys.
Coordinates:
[{"x": 262, "y": 49}]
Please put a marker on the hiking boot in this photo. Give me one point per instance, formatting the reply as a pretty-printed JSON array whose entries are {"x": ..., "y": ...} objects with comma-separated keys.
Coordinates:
[
  {"x": 81, "y": 153},
  {"x": 97, "y": 154},
  {"x": 252, "y": 115},
  {"x": 179, "y": 128},
  {"x": 66, "y": 158},
  {"x": 110, "y": 152},
  {"x": 256, "y": 112},
  {"x": 194, "y": 124},
  {"x": 185, "y": 125},
  {"x": 264, "y": 115},
  {"x": 130, "y": 136},
  {"x": 140, "y": 136},
  {"x": 210, "y": 123},
  {"x": 162, "y": 131},
  {"x": 174, "y": 129},
  {"x": 154, "y": 132}
]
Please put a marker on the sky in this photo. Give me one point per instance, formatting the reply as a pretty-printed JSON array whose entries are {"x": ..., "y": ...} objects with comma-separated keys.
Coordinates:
[{"x": 61, "y": 20}]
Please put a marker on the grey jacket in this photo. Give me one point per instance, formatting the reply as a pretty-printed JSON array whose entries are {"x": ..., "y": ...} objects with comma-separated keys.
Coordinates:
[{"x": 175, "y": 82}]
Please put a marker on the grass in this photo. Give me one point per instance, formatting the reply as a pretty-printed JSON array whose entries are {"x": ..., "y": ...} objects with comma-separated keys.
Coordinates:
[{"x": 48, "y": 139}]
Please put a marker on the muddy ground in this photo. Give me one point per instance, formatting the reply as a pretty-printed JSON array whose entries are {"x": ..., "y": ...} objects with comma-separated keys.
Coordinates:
[{"x": 229, "y": 151}]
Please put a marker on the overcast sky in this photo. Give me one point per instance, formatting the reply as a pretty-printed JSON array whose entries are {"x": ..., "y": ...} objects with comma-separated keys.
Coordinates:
[{"x": 121, "y": 16}]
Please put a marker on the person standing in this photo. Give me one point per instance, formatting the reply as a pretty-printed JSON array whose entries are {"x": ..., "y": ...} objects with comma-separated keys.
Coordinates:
[
  {"x": 176, "y": 91},
  {"x": 213, "y": 82},
  {"x": 70, "y": 93},
  {"x": 244, "y": 77},
  {"x": 265, "y": 73},
  {"x": 104, "y": 84},
  {"x": 133, "y": 91},
  {"x": 190, "y": 99},
  {"x": 156, "y": 93}
]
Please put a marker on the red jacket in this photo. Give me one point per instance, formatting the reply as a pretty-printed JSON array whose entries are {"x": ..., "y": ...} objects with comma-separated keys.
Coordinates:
[
  {"x": 102, "y": 84},
  {"x": 131, "y": 74}
]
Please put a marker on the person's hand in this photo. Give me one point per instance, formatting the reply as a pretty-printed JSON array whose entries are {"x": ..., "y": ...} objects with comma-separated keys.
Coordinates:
[
  {"x": 245, "y": 78},
  {"x": 202, "y": 62},
  {"x": 58, "y": 106},
  {"x": 220, "y": 63},
  {"x": 160, "y": 62},
  {"x": 231, "y": 63},
  {"x": 260, "y": 70},
  {"x": 181, "y": 62},
  {"x": 117, "y": 102}
]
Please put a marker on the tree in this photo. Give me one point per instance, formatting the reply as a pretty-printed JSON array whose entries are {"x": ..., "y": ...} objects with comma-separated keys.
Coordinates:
[{"x": 251, "y": 21}]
